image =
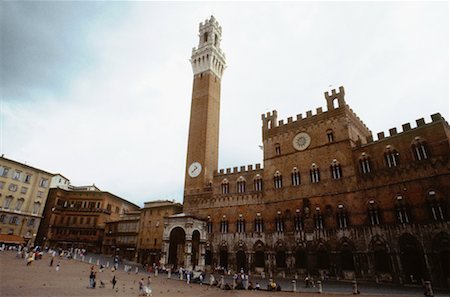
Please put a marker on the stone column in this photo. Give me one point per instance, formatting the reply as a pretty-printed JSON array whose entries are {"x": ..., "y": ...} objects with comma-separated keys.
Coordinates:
[{"x": 188, "y": 254}]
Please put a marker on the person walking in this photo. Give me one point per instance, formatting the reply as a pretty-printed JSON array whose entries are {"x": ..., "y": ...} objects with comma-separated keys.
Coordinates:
[
  {"x": 114, "y": 281},
  {"x": 141, "y": 287},
  {"x": 58, "y": 266},
  {"x": 91, "y": 279}
]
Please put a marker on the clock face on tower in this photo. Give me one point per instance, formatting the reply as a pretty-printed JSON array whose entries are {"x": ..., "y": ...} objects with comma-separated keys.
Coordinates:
[
  {"x": 195, "y": 169},
  {"x": 301, "y": 141}
]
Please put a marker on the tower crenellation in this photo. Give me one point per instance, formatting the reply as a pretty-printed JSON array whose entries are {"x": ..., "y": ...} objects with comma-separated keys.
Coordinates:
[{"x": 208, "y": 55}]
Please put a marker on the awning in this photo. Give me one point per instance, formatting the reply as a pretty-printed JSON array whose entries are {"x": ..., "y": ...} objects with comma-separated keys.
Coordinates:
[{"x": 10, "y": 238}]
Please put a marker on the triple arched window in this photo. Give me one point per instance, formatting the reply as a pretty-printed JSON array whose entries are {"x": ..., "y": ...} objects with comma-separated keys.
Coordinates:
[
  {"x": 436, "y": 209},
  {"x": 279, "y": 222},
  {"x": 314, "y": 173},
  {"x": 295, "y": 177},
  {"x": 342, "y": 217},
  {"x": 240, "y": 185},
  {"x": 318, "y": 219},
  {"x": 277, "y": 180},
  {"x": 374, "y": 213},
  {"x": 240, "y": 224},
  {"x": 259, "y": 223},
  {"x": 225, "y": 187},
  {"x": 364, "y": 164},
  {"x": 420, "y": 149},
  {"x": 401, "y": 209},
  {"x": 224, "y": 224},
  {"x": 298, "y": 220},
  {"x": 391, "y": 157},
  {"x": 336, "y": 170},
  {"x": 258, "y": 183}
]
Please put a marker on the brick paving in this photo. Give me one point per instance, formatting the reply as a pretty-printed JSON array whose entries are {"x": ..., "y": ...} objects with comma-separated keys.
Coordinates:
[{"x": 38, "y": 279}]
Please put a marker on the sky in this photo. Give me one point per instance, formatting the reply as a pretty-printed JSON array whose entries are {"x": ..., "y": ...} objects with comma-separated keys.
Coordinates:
[{"x": 100, "y": 91}]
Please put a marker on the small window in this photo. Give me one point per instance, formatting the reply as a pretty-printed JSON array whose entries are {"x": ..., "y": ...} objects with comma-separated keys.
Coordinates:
[
  {"x": 259, "y": 223},
  {"x": 401, "y": 209},
  {"x": 241, "y": 185},
  {"x": 240, "y": 224},
  {"x": 420, "y": 149},
  {"x": 391, "y": 157},
  {"x": 342, "y": 217},
  {"x": 12, "y": 187},
  {"x": 279, "y": 222},
  {"x": 318, "y": 219},
  {"x": 43, "y": 183},
  {"x": 225, "y": 187},
  {"x": 4, "y": 171},
  {"x": 365, "y": 164},
  {"x": 17, "y": 175},
  {"x": 336, "y": 171},
  {"x": 258, "y": 183},
  {"x": 7, "y": 202},
  {"x": 277, "y": 180},
  {"x": 330, "y": 136},
  {"x": 36, "y": 207},
  {"x": 277, "y": 149},
  {"x": 295, "y": 177},
  {"x": 224, "y": 225},
  {"x": 19, "y": 204},
  {"x": 374, "y": 213},
  {"x": 436, "y": 207},
  {"x": 27, "y": 178},
  {"x": 298, "y": 221},
  {"x": 205, "y": 37},
  {"x": 209, "y": 225},
  {"x": 314, "y": 173}
]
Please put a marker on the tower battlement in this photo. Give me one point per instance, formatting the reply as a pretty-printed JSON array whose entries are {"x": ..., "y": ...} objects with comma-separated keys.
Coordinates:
[
  {"x": 208, "y": 55},
  {"x": 436, "y": 117}
]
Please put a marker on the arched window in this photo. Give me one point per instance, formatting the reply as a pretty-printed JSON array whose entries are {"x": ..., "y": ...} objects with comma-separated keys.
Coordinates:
[
  {"x": 295, "y": 177},
  {"x": 225, "y": 186},
  {"x": 7, "y": 202},
  {"x": 374, "y": 213},
  {"x": 240, "y": 224},
  {"x": 364, "y": 164},
  {"x": 342, "y": 217},
  {"x": 435, "y": 205},
  {"x": 420, "y": 149},
  {"x": 19, "y": 203},
  {"x": 318, "y": 219},
  {"x": 391, "y": 157},
  {"x": 277, "y": 149},
  {"x": 330, "y": 135},
  {"x": 335, "y": 168},
  {"x": 402, "y": 210},
  {"x": 314, "y": 173},
  {"x": 209, "y": 225},
  {"x": 224, "y": 225},
  {"x": 241, "y": 185},
  {"x": 277, "y": 180},
  {"x": 279, "y": 222},
  {"x": 259, "y": 223},
  {"x": 298, "y": 221},
  {"x": 258, "y": 183}
]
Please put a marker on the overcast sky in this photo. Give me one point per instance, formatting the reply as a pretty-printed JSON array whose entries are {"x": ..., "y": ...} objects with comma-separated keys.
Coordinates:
[{"x": 100, "y": 91}]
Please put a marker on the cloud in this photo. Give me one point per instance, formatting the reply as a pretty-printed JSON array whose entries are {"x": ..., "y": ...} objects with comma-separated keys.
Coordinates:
[{"x": 100, "y": 92}]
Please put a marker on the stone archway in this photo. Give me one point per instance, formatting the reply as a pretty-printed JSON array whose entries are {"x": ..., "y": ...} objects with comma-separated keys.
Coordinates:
[
  {"x": 441, "y": 253},
  {"x": 412, "y": 259},
  {"x": 195, "y": 248},
  {"x": 259, "y": 258},
  {"x": 241, "y": 261},
  {"x": 223, "y": 257},
  {"x": 177, "y": 241}
]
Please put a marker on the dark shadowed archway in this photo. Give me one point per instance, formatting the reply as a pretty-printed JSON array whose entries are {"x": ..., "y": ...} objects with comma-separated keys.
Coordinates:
[
  {"x": 413, "y": 262},
  {"x": 241, "y": 261},
  {"x": 195, "y": 248},
  {"x": 177, "y": 241}
]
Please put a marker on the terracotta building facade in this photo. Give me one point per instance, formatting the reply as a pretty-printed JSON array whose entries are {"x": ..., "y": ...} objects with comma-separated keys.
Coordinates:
[
  {"x": 121, "y": 236},
  {"x": 23, "y": 194},
  {"x": 329, "y": 197},
  {"x": 76, "y": 218},
  {"x": 151, "y": 226}
]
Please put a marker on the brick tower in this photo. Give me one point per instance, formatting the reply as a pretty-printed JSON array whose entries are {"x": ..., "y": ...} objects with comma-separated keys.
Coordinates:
[{"x": 208, "y": 64}]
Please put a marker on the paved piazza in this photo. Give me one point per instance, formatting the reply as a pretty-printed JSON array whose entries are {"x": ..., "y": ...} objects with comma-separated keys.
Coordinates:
[{"x": 72, "y": 279}]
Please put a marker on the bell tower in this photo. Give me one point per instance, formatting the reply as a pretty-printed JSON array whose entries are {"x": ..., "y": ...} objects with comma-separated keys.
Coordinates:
[{"x": 208, "y": 64}]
